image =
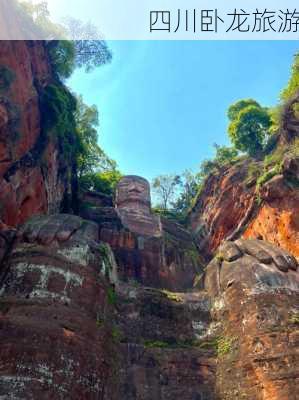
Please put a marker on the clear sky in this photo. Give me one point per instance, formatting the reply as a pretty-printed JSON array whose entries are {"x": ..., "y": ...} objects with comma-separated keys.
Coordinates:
[{"x": 163, "y": 104}]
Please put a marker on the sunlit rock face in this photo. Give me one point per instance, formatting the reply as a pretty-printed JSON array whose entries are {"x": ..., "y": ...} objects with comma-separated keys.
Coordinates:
[
  {"x": 55, "y": 342},
  {"x": 133, "y": 204},
  {"x": 254, "y": 287}
]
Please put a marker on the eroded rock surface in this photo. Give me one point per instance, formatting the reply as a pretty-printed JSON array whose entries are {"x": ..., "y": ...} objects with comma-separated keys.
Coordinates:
[
  {"x": 55, "y": 342},
  {"x": 255, "y": 290},
  {"x": 231, "y": 206},
  {"x": 35, "y": 172},
  {"x": 160, "y": 353}
]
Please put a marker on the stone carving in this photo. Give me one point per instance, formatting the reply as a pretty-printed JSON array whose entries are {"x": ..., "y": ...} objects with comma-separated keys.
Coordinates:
[
  {"x": 133, "y": 204},
  {"x": 254, "y": 288},
  {"x": 53, "y": 305},
  {"x": 254, "y": 264}
]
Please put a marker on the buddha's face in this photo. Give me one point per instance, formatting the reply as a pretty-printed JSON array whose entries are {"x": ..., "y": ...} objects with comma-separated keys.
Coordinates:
[{"x": 133, "y": 190}]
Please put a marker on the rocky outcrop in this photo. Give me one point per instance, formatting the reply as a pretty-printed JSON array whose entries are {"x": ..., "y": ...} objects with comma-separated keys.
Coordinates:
[
  {"x": 35, "y": 175},
  {"x": 231, "y": 206},
  {"x": 225, "y": 204},
  {"x": 55, "y": 316},
  {"x": 254, "y": 287},
  {"x": 277, "y": 220}
]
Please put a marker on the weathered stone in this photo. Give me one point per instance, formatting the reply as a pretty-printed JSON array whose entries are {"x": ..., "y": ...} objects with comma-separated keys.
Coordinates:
[
  {"x": 35, "y": 173},
  {"x": 133, "y": 204},
  {"x": 256, "y": 307},
  {"x": 54, "y": 313},
  {"x": 227, "y": 209}
]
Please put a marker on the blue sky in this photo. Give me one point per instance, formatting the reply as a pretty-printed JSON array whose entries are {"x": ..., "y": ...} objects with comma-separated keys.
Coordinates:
[{"x": 163, "y": 104}]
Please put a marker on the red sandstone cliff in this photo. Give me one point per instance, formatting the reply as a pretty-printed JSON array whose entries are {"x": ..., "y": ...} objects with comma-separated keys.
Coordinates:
[
  {"x": 76, "y": 325},
  {"x": 34, "y": 177}
]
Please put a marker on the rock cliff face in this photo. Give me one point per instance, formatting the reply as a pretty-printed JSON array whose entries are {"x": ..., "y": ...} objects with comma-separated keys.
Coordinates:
[
  {"x": 254, "y": 290},
  {"x": 117, "y": 303},
  {"x": 34, "y": 177},
  {"x": 55, "y": 339},
  {"x": 230, "y": 207}
]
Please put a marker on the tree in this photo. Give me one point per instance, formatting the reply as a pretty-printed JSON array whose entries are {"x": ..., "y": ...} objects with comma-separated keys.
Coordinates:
[
  {"x": 190, "y": 185},
  {"x": 68, "y": 52},
  {"x": 90, "y": 156},
  {"x": 238, "y": 106},
  {"x": 165, "y": 187},
  {"x": 249, "y": 127}
]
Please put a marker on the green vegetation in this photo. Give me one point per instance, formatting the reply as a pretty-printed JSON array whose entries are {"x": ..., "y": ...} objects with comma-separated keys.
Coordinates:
[
  {"x": 294, "y": 319},
  {"x": 90, "y": 154},
  {"x": 104, "y": 182},
  {"x": 111, "y": 296},
  {"x": 116, "y": 335},
  {"x": 58, "y": 108},
  {"x": 6, "y": 78},
  {"x": 225, "y": 345},
  {"x": 172, "y": 296},
  {"x": 62, "y": 55},
  {"x": 170, "y": 344},
  {"x": 293, "y": 85},
  {"x": 75, "y": 124},
  {"x": 65, "y": 55},
  {"x": 151, "y": 344},
  {"x": 249, "y": 126}
]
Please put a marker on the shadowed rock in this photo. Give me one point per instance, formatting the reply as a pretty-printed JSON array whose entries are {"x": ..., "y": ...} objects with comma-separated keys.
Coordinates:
[{"x": 53, "y": 295}]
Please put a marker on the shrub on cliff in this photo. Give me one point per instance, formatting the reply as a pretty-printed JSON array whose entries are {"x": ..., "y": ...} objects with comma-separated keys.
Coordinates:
[
  {"x": 293, "y": 84},
  {"x": 58, "y": 107},
  {"x": 104, "y": 182}
]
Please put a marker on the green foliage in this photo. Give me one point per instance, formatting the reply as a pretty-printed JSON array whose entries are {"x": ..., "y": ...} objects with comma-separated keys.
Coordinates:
[
  {"x": 91, "y": 54},
  {"x": 151, "y": 344},
  {"x": 254, "y": 172},
  {"x": 58, "y": 112},
  {"x": 296, "y": 110},
  {"x": 90, "y": 156},
  {"x": 111, "y": 296},
  {"x": 225, "y": 155},
  {"x": 172, "y": 296},
  {"x": 62, "y": 55},
  {"x": 268, "y": 175},
  {"x": 116, "y": 335},
  {"x": 7, "y": 76},
  {"x": 225, "y": 345},
  {"x": 104, "y": 182},
  {"x": 66, "y": 55},
  {"x": 188, "y": 189},
  {"x": 37, "y": 17},
  {"x": 165, "y": 187},
  {"x": 275, "y": 116},
  {"x": 293, "y": 84},
  {"x": 237, "y": 107},
  {"x": 248, "y": 130}
]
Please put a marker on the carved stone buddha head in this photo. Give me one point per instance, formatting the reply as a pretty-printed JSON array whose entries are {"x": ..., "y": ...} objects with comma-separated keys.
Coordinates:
[{"x": 133, "y": 204}]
